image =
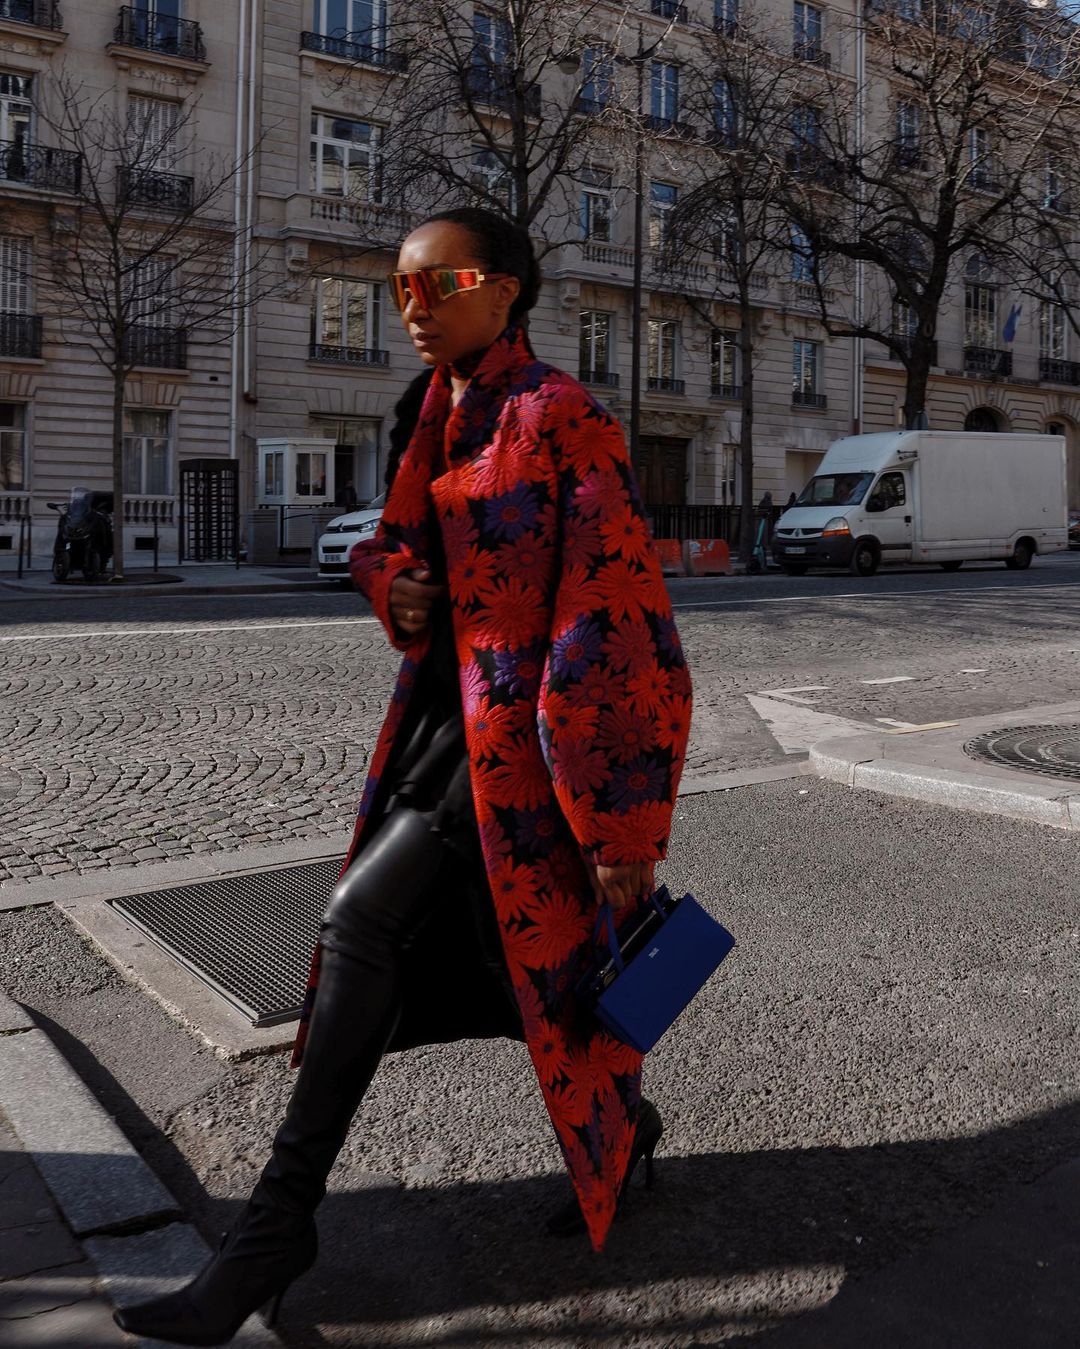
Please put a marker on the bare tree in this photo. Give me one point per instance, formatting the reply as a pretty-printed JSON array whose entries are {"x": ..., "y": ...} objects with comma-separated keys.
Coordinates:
[
  {"x": 928, "y": 166},
  {"x": 146, "y": 259},
  {"x": 727, "y": 227}
]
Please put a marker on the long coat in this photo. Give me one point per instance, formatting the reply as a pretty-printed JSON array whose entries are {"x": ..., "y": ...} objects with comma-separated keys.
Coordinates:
[{"x": 576, "y": 699}]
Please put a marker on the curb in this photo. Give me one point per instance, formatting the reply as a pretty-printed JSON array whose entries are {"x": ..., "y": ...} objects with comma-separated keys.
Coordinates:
[
  {"x": 17, "y": 592},
  {"x": 128, "y": 1223},
  {"x": 931, "y": 766}
]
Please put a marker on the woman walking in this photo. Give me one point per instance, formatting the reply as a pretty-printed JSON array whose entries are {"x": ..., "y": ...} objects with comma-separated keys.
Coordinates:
[{"x": 527, "y": 768}]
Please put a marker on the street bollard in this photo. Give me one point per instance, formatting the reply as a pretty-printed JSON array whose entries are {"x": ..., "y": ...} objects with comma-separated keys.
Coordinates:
[
  {"x": 155, "y": 543},
  {"x": 22, "y": 536}
]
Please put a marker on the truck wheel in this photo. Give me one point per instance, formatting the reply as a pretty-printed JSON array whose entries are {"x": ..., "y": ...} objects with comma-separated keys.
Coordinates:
[
  {"x": 864, "y": 560},
  {"x": 952, "y": 566},
  {"x": 795, "y": 568},
  {"x": 61, "y": 565},
  {"x": 1021, "y": 556}
]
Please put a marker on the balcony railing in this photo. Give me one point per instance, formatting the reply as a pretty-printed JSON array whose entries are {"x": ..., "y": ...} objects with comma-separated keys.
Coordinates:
[
  {"x": 145, "y": 344},
  {"x": 148, "y": 187},
  {"x": 987, "y": 361},
  {"x": 140, "y": 510},
  {"x": 20, "y": 334},
  {"x": 812, "y": 165},
  {"x": 806, "y": 398},
  {"x": 662, "y": 384},
  {"x": 40, "y": 166},
  {"x": 1059, "y": 372},
  {"x": 906, "y": 156},
  {"x": 812, "y": 54},
  {"x": 151, "y": 31},
  {"x": 670, "y": 126},
  {"x": 983, "y": 181},
  {"x": 40, "y": 13},
  {"x": 347, "y": 49},
  {"x": 590, "y": 107},
  {"x": 496, "y": 88},
  {"x": 670, "y": 9},
  {"x": 732, "y": 392},
  {"x": 608, "y": 378},
  {"x": 320, "y": 351}
]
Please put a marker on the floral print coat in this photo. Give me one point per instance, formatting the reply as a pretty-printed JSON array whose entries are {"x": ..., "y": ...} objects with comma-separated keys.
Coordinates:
[{"x": 575, "y": 692}]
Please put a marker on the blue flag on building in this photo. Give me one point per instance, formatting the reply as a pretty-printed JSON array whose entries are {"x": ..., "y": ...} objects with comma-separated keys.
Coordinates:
[{"x": 1008, "y": 333}]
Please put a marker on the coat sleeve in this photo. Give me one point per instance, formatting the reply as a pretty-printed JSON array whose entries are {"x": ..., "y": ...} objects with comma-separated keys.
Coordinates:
[{"x": 614, "y": 706}]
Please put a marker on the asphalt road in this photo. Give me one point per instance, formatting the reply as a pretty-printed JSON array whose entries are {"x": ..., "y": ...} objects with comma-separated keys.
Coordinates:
[{"x": 891, "y": 1047}]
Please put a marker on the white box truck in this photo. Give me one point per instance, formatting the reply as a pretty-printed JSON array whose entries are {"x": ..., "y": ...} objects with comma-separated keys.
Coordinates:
[{"x": 928, "y": 496}]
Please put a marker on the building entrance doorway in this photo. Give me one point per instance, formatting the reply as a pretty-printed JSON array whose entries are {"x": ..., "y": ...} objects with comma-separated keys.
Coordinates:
[{"x": 660, "y": 467}]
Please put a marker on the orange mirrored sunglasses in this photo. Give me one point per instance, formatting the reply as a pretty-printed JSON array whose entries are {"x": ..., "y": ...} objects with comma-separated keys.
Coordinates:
[{"x": 432, "y": 284}]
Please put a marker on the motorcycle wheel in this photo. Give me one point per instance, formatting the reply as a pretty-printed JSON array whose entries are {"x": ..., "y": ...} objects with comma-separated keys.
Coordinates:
[
  {"x": 61, "y": 565},
  {"x": 92, "y": 567}
]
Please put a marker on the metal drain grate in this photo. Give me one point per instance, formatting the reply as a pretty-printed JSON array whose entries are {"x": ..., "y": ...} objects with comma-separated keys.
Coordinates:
[
  {"x": 1052, "y": 750},
  {"x": 249, "y": 938}
]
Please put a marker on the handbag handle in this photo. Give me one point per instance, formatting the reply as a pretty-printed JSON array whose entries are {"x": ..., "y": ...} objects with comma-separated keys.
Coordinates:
[{"x": 605, "y": 916}]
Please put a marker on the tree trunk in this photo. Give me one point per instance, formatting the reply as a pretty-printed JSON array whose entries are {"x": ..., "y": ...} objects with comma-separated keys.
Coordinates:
[
  {"x": 746, "y": 427},
  {"x": 118, "y": 474},
  {"x": 918, "y": 377}
]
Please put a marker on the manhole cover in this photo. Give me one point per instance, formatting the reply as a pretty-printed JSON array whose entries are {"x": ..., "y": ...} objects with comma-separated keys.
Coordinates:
[
  {"x": 249, "y": 938},
  {"x": 1053, "y": 750}
]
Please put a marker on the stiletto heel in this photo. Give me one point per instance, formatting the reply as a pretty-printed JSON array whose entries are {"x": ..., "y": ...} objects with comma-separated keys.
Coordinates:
[
  {"x": 273, "y": 1307},
  {"x": 647, "y": 1134}
]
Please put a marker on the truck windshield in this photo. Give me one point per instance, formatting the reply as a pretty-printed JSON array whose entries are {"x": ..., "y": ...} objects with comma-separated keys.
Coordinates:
[{"x": 835, "y": 489}]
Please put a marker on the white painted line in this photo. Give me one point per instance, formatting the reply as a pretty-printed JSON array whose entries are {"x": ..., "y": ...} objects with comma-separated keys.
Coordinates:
[
  {"x": 792, "y": 695},
  {"x": 891, "y": 679},
  {"x": 795, "y": 729},
  {"x": 65, "y": 636},
  {"x": 969, "y": 591},
  {"x": 901, "y": 725},
  {"x": 980, "y": 669},
  {"x": 928, "y": 726}
]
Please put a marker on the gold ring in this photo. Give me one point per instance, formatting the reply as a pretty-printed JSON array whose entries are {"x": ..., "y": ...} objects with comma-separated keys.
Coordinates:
[{"x": 409, "y": 614}]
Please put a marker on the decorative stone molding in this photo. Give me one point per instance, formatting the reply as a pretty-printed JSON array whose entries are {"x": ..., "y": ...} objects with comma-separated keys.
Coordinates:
[
  {"x": 154, "y": 393},
  {"x": 18, "y": 385}
]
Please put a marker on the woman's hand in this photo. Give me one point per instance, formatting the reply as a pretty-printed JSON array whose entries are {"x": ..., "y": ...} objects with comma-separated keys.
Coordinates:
[
  {"x": 411, "y": 598},
  {"x": 620, "y": 886}
]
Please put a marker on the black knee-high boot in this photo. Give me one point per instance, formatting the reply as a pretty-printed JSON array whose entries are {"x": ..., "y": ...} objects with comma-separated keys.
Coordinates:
[{"x": 378, "y": 907}]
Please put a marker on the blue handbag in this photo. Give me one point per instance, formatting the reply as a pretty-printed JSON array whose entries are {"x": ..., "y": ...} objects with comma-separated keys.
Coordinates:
[{"x": 656, "y": 967}]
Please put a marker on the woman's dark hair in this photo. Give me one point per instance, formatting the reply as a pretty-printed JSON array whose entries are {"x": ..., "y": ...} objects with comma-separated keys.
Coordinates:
[
  {"x": 406, "y": 415},
  {"x": 501, "y": 246}
]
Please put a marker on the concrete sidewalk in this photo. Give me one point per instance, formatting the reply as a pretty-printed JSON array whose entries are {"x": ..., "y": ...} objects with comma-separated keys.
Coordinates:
[
  {"x": 929, "y": 764},
  {"x": 208, "y": 578}
]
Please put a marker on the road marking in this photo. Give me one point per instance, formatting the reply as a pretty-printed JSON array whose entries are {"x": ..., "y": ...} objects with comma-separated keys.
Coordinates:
[
  {"x": 796, "y": 728},
  {"x": 186, "y": 632},
  {"x": 874, "y": 595},
  {"x": 890, "y": 679},
  {"x": 928, "y": 726},
  {"x": 792, "y": 695},
  {"x": 982, "y": 669},
  {"x": 900, "y": 725}
]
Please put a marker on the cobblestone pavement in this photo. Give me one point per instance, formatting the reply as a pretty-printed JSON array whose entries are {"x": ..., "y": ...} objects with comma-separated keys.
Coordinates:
[{"x": 146, "y": 729}]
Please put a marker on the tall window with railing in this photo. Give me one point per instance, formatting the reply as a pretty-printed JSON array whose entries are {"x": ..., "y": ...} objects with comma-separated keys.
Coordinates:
[
  {"x": 726, "y": 17},
  {"x": 362, "y": 22},
  {"x": 805, "y": 155},
  {"x": 152, "y": 125},
  {"x": 980, "y": 303},
  {"x": 663, "y": 355},
  {"x": 147, "y": 452},
  {"x": 808, "y": 25},
  {"x": 980, "y": 160},
  {"x": 492, "y": 181},
  {"x": 664, "y": 93},
  {"x": 727, "y": 241},
  {"x": 802, "y": 257},
  {"x": 806, "y": 373},
  {"x": 904, "y": 322},
  {"x": 594, "y": 347},
  {"x": 663, "y": 198},
  {"x": 1053, "y": 332},
  {"x": 346, "y": 321},
  {"x": 596, "y": 205},
  {"x": 724, "y": 360},
  {"x": 20, "y": 328},
  {"x": 1055, "y": 196},
  {"x": 597, "y": 79},
  {"x": 345, "y": 157},
  {"x": 14, "y": 459},
  {"x": 907, "y": 142},
  {"x": 725, "y": 113}
]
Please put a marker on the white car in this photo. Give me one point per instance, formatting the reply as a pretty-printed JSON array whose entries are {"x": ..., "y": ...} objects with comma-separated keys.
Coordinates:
[{"x": 341, "y": 533}]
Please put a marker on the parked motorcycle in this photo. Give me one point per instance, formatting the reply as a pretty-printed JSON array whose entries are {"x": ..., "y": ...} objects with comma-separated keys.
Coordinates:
[{"x": 84, "y": 534}]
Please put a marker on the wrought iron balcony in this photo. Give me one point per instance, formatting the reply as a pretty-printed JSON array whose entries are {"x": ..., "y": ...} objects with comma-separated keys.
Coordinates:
[
  {"x": 40, "y": 166},
  {"x": 163, "y": 347},
  {"x": 495, "y": 87},
  {"x": 320, "y": 351},
  {"x": 148, "y": 187},
  {"x": 1059, "y": 372},
  {"x": 40, "y": 13},
  {"x": 670, "y": 126},
  {"x": 150, "y": 31},
  {"x": 806, "y": 398},
  {"x": 608, "y": 378},
  {"x": 812, "y": 53},
  {"x": 662, "y": 384},
  {"x": 732, "y": 392},
  {"x": 987, "y": 361},
  {"x": 20, "y": 334},
  {"x": 590, "y": 107},
  {"x": 670, "y": 9},
  {"x": 362, "y": 53}
]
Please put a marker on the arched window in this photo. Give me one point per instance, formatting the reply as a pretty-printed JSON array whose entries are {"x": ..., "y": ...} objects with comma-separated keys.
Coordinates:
[{"x": 982, "y": 419}]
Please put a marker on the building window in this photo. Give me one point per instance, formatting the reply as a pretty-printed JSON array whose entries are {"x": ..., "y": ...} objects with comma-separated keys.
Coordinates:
[
  {"x": 1053, "y": 332},
  {"x": 979, "y": 160},
  {"x": 14, "y": 470},
  {"x": 904, "y": 323},
  {"x": 725, "y": 363},
  {"x": 310, "y": 473},
  {"x": 594, "y": 348},
  {"x": 491, "y": 42},
  {"x": 808, "y": 21},
  {"x": 664, "y": 92},
  {"x": 16, "y": 254},
  {"x": 152, "y": 127},
  {"x": 908, "y": 134},
  {"x": 663, "y": 343},
  {"x": 597, "y": 79},
  {"x": 802, "y": 257},
  {"x": 727, "y": 244},
  {"x": 726, "y": 17},
  {"x": 15, "y": 108},
  {"x": 359, "y": 21},
  {"x": 274, "y": 473},
  {"x": 980, "y": 304},
  {"x": 491, "y": 180},
  {"x": 663, "y": 198},
  {"x": 346, "y": 315},
  {"x": 345, "y": 158},
  {"x": 725, "y": 114},
  {"x": 1054, "y": 197},
  {"x": 805, "y": 154},
  {"x": 147, "y": 452},
  {"x": 596, "y": 204},
  {"x": 806, "y": 372}
]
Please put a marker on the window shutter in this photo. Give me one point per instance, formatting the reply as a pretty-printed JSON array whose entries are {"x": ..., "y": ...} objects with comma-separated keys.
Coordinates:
[{"x": 14, "y": 274}]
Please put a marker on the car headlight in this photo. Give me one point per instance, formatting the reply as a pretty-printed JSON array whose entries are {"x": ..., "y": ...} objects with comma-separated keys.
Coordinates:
[
  {"x": 368, "y": 527},
  {"x": 836, "y": 526}
]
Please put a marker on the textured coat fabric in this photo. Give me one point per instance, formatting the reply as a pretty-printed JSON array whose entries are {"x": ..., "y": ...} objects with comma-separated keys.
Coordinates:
[{"x": 576, "y": 699}]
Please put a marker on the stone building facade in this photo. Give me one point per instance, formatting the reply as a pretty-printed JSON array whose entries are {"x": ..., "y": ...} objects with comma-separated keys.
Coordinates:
[{"x": 326, "y": 358}]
